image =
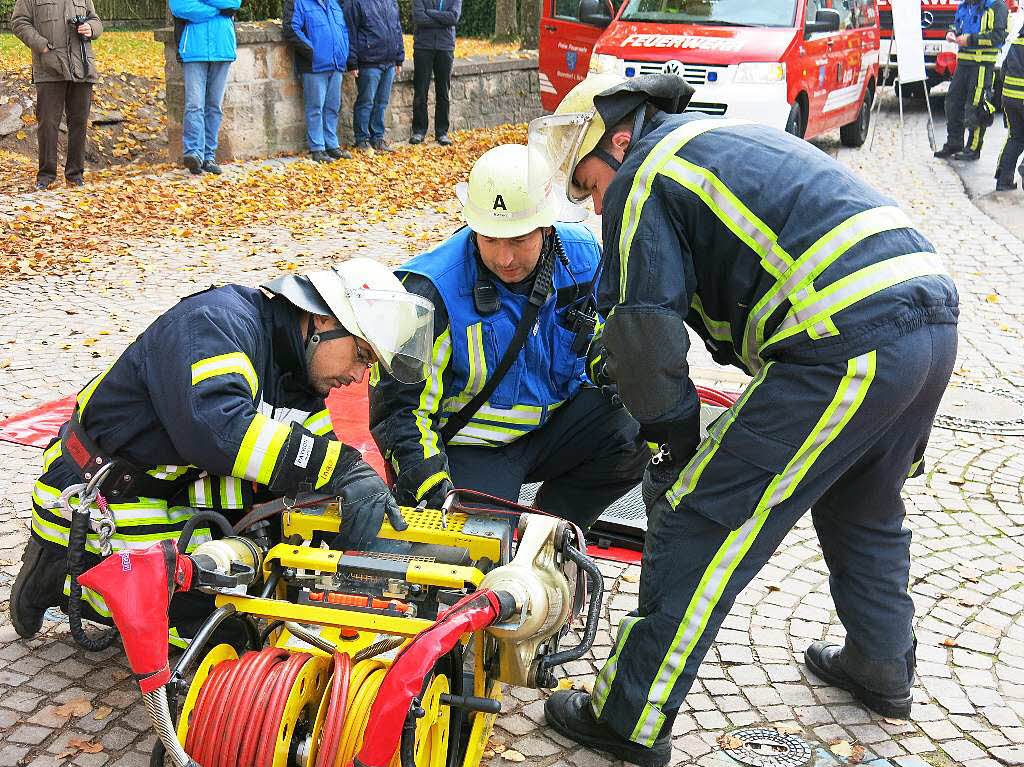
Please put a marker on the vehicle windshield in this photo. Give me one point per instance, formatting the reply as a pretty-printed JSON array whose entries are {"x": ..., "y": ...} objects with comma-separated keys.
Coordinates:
[{"x": 726, "y": 13}]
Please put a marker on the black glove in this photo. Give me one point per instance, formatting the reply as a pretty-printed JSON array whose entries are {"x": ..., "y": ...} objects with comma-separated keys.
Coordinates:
[
  {"x": 228, "y": 12},
  {"x": 597, "y": 364},
  {"x": 365, "y": 499},
  {"x": 434, "y": 497},
  {"x": 658, "y": 478}
]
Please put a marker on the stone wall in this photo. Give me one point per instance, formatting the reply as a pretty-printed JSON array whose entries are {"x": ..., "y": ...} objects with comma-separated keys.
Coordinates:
[{"x": 263, "y": 114}]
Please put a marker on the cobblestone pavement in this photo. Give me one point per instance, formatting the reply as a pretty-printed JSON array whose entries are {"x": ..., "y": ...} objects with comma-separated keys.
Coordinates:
[{"x": 967, "y": 515}]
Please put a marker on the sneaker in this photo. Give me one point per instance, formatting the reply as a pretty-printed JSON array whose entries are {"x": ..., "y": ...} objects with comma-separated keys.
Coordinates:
[
  {"x": 948, "y": 151},
  {"x": 364, "y": 146},
  {"x": 825, "y": 662},
  {"x": 568, "y": 712},
  {"x": 319, "y": 156},
  {"x": 444, "y": 140},
  {"x": 193, "y": 163},
  {"x": 211, "y": 167},
  {"x": 338, "y": 154},
  {"x": 417, "y": 138},
  {"x": 42, "y": 185},
  {"x": 968, "y": 155},
  {"x": 380, "y": 146},
  {"x": 75, "y": 181},
  {"x": 39, "y": 585}
]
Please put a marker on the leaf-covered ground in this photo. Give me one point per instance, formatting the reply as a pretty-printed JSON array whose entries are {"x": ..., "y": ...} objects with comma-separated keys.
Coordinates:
[{"x": 57, "y": 231}]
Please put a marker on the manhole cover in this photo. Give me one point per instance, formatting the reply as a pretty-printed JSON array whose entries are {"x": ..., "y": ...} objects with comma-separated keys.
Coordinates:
[
  {"x": 983, "y": 411},
  {"x": 767, "y": 748}
]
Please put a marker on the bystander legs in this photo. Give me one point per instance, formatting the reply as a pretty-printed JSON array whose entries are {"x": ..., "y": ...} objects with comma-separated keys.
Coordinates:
[
  {"x": 433, "y": 55},
  {"x": 376, "y": 52}
]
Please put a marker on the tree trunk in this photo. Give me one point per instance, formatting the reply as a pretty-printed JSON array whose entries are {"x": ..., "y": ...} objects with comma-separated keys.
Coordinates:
[
  {"x": 529, "y": 23},
  {"x": 506, "y": 20}
]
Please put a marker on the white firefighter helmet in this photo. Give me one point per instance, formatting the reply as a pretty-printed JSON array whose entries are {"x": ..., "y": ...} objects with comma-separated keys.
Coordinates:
[
  {"x": 510, "y": 194},
  {"x": 370, "y": 302}
]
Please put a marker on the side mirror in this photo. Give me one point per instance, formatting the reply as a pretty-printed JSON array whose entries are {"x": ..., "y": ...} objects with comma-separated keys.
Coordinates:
[
  {"x": 826, "y": 20},
  {"x": 596, "y": 13}
]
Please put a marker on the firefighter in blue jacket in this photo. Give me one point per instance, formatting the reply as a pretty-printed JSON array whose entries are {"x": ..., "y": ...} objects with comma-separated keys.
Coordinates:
[
  {"x": 979, "y": 28},
  {"x": 1013, "y": 111},
  {"x": 220, "y": 404},
  {"x": 542, "y": 422},
  {"x": 791, "y": 268}
]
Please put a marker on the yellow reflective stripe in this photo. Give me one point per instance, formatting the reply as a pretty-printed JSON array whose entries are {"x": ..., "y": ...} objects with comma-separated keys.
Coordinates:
[
  {"x": 374, "y": 377},
  {"x": 95, "y": 601},
  {"x": 978, "y": 57},
  {"x": 643, "y": 182},
  {"x": 477, "y": 359},
  {"x": 86, "y": 394},
  {"x": 1013, "y": 93},
  {"x": 1013, "y": 81},
  {"x": 430, "y": 395},
  {"x": 167, "y": 471},
  {"x": 720, "y": 330},
  {"x": 260, "y": 449},
  {"x": 226, "y": 364},
  {"x": 230, "y": 492},
  {"x": 847, "y": 291},
  {"x": 603, "y": 683},
  {"x": 798, "y": 283},
  {"x": 319, "y": 423},
  {"x": 914, "y": 467},
  {"x": 654, "y": 447},
  {"x": 200, "y": 493},
  {"x": 327, "y": 467},
  {"x": 850, "y": 394},
  {"x": 750, "y": 229},
  {"x": 51, "y": 454},
  {"x": 428, "y": 484},
  {"x": 979, "y": 90},
  {"x": 690, "y": 475},
  {"x": 177, "y": 640}
]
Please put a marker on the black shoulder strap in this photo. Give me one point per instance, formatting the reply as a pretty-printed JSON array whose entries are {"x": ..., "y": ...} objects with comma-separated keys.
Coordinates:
[{"x": 538, "y": 296}]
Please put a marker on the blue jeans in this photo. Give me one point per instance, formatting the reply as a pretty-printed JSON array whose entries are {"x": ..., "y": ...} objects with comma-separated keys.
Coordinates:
[
  {"x": 374, "y": 92},
  {"x": 321, "y": 94},
  {"x": 204, "y": 92}
]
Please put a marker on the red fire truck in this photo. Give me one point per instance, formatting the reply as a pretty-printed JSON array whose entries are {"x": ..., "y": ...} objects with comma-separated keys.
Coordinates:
[
  {"x": 807, "y": 66},
  {"x": 939, "y": 55}
]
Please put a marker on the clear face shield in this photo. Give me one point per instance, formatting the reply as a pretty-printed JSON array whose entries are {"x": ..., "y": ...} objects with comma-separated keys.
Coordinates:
[
  {"x": 554, "y": 142},
  {"x": 399, "y": 326}
]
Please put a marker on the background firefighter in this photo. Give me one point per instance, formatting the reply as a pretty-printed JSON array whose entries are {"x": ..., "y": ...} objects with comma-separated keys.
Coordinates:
[
  {"x": 1013, "y": 111},
  {"x": 220, "y": 404},
  {"x": 792, "y": 269},
  {"x": 542, "y": 422},
  {"x": 980, "y": 30}
]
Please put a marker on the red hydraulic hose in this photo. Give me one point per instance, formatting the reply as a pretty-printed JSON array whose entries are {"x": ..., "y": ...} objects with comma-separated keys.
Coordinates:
[
  {"x": 716, "y": 397},
  {"x": 330, "y": 738},
  {"x": 404, "y": 679},
  {"x": 288, "y": 671}
]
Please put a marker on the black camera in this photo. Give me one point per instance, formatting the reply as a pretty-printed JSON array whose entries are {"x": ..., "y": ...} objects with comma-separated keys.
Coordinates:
[{"x": 77, "y": 21}]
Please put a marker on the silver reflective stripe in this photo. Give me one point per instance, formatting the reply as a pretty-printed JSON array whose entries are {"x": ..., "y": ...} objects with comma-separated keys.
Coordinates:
[
  {"x": 603, "y": 684},
  {"x": 812, "y": 263},
  {"x": 852, "y": 288}
]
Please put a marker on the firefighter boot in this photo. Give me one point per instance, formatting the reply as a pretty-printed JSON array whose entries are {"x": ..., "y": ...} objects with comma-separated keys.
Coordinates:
[
  {"x": 948, "y": 151},
  {"x": 968, "y": 155},
  {"x": 569, "y": 713},
  {"x": 1005, "y": 185},
  {"x": 39, "y": 585},
  {"x": 884, "y": 687}
]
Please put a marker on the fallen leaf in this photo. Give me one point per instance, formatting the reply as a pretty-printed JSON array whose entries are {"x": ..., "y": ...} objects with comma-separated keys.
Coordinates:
[
  {"x": 499, "y": 748},
  {"x": 20, "y": 135},
  {"x": 897, "y": 722},
  {"x": 102, "y": 712},
  {"x": 564, "y": 684},
  {"x": 841, "y": 748},
  {"x": 1011, "y": 568},
  {"x": 949, "y": 643},
  {"x": 788, "y": 729},
  {"x": 88, "y": 746},
  {"x": 118, "y": 674},
  {"x": 513, "y": 756},
  {"x": 5, "y": 364},
  {"x": 992, "y": 298},
  {"x": 729, "y": 742},
  {"x": 857, "y": 756},
  {"x": 76, "y": 707},
  {"x": 772, "y": 587}
]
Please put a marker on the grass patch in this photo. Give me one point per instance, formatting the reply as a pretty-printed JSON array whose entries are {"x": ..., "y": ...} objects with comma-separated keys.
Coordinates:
[{"x": 118, "y": 52}]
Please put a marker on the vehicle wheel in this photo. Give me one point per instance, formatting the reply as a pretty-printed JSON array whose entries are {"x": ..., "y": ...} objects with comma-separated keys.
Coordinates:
[
  {"x": 795, "y": 123},
  {"x": 855, "y": 133}
]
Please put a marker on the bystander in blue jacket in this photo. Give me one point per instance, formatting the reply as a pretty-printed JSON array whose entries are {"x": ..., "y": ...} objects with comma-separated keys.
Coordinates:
[
  {"x": 205, "y": 31},
  {"x": 318, "y": 35},
  {"x": 376, "y": 52}
]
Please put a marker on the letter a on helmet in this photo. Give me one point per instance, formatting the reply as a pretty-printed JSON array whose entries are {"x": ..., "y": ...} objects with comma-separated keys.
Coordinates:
[{"x": 370, "y": 302}]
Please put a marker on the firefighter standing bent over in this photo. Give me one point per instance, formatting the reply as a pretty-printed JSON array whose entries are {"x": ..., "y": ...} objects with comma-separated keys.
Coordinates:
[
  {"x": 794, "y": 270},
  {"x": 220, "y": 404},
  {"x": 542, "y": 421},
  {"x": 979, "y": 28},
  {"x": 1013, "y": 111}
]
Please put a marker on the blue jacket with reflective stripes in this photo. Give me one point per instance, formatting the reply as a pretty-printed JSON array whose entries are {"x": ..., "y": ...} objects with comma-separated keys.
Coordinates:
[
  {"x": 216, "y": 386},
  {"x": 986, "y": 23},
  {"x": 406, "y": 419},
  {"x": 765, "y": 246}
]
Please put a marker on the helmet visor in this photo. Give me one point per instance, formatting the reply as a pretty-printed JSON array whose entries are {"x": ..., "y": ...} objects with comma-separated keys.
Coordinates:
[
  {"x": 554, "y": 142},
  {"x": 399, "y": 326}
]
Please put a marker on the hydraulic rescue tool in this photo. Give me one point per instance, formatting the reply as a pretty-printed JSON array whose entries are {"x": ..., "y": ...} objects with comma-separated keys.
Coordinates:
[{"x": 396, "y": 656}]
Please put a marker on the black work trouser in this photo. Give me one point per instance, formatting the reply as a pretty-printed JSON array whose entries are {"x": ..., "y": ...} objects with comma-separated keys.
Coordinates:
[
  {"x": 53, "y": 100},
  {"x": 587, "y": 456},
  {"x": 427, "y": 64},
  {"x": 970, "y": 84},
  {"x": 1013, "y": 110},
  {"x": 837, "y": 438}
]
